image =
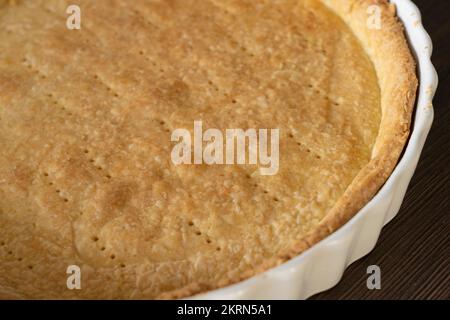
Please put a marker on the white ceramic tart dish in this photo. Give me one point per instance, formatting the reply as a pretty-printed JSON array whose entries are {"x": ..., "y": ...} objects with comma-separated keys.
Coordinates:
[
  {"x": 93, "y": 181},
  {"x": 322, "y": 266}
]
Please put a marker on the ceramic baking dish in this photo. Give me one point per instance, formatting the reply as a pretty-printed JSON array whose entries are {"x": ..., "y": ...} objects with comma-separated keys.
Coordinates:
[{"x": 321, "y": 267}]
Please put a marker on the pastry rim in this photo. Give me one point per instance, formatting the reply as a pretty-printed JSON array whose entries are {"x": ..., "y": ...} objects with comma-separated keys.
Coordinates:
[
  {"x": 393, "y": 134},
  {"x": 394, "y": 131}
]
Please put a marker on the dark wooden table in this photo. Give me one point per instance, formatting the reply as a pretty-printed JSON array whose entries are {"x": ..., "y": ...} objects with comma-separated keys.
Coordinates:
[{"x": 414, "y": 249}]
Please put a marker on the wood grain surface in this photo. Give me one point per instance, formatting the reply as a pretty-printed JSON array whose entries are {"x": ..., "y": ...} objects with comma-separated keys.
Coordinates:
[{"x": 413, "y": 251}]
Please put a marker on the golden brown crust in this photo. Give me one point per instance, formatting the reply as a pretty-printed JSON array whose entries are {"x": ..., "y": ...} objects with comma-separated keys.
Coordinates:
[
  {"x": 123, "y": 197},
  {"x": 396, "y": 70}
]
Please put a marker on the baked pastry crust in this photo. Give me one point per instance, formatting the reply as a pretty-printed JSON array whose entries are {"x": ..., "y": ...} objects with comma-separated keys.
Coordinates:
[{"x": 395, "y": 69}]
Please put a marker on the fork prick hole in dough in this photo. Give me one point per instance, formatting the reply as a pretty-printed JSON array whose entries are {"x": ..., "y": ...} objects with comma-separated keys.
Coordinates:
[{"x": 235, "y": 72}]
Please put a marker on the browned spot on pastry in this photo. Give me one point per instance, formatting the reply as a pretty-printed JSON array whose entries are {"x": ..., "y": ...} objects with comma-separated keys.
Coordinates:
[
  {"x": 22, "y": 176},
  {"x": 118, "y": 196},
  {"x": 10, "y": 84},
  {"x": 176, "y": 93},
  {"x": 75, "y": 166}
]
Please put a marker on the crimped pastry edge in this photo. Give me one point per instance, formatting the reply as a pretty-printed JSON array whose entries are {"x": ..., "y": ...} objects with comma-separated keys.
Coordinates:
[
  {"x": 398, "y": 99},
  {"x": 396, "y": 71}
]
